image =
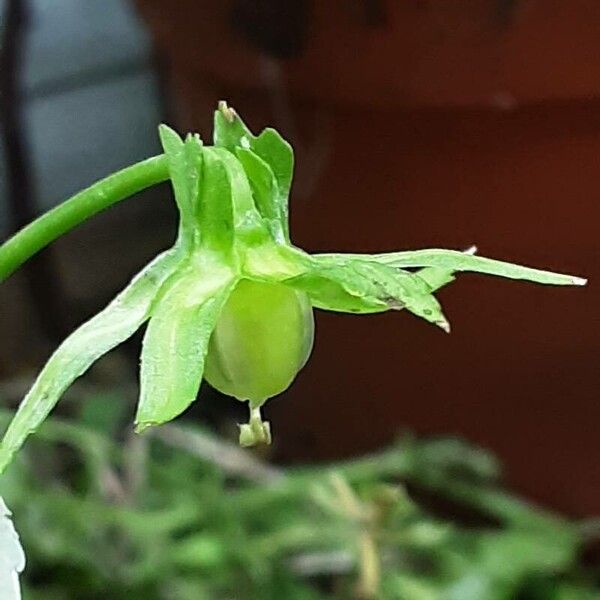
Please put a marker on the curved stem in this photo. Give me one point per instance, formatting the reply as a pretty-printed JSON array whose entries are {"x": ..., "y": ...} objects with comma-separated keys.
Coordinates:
[{"x": 77, "y": 209}]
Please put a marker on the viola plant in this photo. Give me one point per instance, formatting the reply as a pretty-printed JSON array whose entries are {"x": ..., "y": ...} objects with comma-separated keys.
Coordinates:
[{"x": 232, "y": 301}]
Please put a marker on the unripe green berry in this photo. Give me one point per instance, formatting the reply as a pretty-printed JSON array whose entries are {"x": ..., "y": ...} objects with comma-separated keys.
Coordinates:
[{"x": 263, "y": 338}]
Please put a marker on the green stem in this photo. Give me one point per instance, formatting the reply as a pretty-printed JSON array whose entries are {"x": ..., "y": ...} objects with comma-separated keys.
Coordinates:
[{"x": 77, "y": 209}]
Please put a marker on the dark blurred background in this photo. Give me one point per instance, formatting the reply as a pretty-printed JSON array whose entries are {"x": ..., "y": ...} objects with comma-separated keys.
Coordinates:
[{"x": 416, "y": 123}]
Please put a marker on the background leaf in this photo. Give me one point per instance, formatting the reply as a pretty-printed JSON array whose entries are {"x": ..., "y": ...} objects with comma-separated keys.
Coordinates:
[{"x": 261, "y": 532}]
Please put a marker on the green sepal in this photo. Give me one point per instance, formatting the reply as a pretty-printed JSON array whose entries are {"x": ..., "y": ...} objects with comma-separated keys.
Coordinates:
[
  {"x": 327, "y": 291},
  {"x": 117, "y": 322},
  {"x": 184, "y": 159},
  {"x": 232, "y": 133},
  {"x": 229, "y": 130},
  {"x": 436, "y": 277},
  {"x": 378, "y": 287},
  {"x": 176, "y": 341},
  {"x": 216, "y": 204},
  {"x": 250, "y": 227},
  {"x": 361, "y": 287},
  {"x": 279, "y": 155},
  {"x": 400, "y": 289},
  {"x": 264, "y": 189},
  {"x": 455, "y": 261},
  {"x": 194, "y": 157}
]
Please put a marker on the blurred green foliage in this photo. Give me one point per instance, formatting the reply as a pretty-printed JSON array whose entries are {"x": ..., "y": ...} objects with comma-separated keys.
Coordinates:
[{"x": 180, "y": 514}]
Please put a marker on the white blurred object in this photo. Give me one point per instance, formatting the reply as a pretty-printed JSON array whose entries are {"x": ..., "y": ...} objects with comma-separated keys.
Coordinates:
[{"x": 12, "y": 557}]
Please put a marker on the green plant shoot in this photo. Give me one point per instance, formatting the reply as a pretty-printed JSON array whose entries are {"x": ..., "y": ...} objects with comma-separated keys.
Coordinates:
[{"x": 232, "y": 301}]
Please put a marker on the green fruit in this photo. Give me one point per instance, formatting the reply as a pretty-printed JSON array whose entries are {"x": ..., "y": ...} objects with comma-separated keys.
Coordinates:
[{"x": 262, "y": 339}]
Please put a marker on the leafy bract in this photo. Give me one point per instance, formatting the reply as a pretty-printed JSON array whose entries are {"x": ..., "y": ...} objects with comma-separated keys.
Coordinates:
[
  {"x": 176, "y": 342},
  {"x": 453, "y": 260},
  {"x": 215, "y": 206},
  {"x": 278, "y": 154},
  {"x": 363, "y": 286},
  {"x": 264, "y": 189},
  {"x": 327, "y": 292},
  {"x": 436, "y": 277},
  {"x": 400, "y": 289},
  {"x": 247, "y": 220},
  {"x": 184, "y": 160},
  {"x": 232, "y": 133},
  {"x": 117, "y": 322}
]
